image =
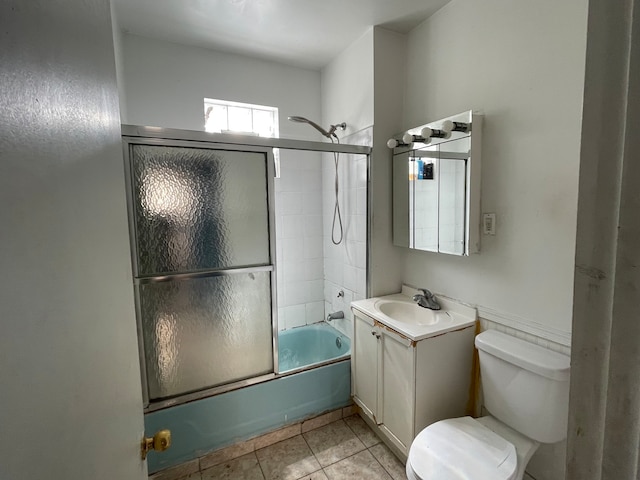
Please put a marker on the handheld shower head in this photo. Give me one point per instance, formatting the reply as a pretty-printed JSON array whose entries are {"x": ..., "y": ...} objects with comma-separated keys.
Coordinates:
[
  {"x": 331, "y": 133},
  {"x": 313, "y": 124}
]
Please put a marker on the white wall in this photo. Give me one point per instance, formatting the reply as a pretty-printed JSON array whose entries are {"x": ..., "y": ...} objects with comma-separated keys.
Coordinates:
[
  {"x": 69, "y": 370},
  {"x": 522, "y": 65},
  {"x": 165, "y": 85},
  {"x": 389, "y": 77},
  {"x": 347, "y": 86},
  {"x": 119, "y": 59}
]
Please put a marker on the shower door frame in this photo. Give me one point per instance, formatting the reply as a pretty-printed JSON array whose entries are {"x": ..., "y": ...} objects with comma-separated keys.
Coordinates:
[{"x": 156, "y": 136}]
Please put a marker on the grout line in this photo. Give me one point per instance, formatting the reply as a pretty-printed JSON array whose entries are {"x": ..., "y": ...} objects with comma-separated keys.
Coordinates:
[
  {"x": 380, "y": 463},
  {"x": 264, "y": 476}
]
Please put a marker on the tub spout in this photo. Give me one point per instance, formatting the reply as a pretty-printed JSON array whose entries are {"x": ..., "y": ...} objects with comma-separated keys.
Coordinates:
[{"x": 335, "y": 315}]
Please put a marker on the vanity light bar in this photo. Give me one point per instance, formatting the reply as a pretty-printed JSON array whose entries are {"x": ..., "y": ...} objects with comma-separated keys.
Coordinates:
[
  {"x": 394, "y": 142},
  {"x": 409, "y": 138},
  {"x": 449, "y": 126},
  {"x": 427, "y": 133}
]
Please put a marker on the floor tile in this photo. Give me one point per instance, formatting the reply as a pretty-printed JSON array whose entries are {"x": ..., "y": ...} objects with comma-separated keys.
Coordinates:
[
  {"x": 177, "y": 472},
  {"x": 362, "y": 430},
  {"x": 193, "y": 476},
  {"x": 287, "y": 460},
  {"x": 226, "y": 454},
  {"x": 359, "y": 466},
  {"x": 389, "y": 461},
  {"x": 350, "y": 410},
  {"x": 245, "y": 467},
  {"x": 277, "y": 436},
  {"x": 319, "y": 475},
  {"x": 333, "y": 442},
  {"x": 321, "y": 420}
]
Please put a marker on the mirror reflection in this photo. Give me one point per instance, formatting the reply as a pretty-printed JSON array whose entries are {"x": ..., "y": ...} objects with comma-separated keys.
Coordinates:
[{"x": 434, "y": 195}]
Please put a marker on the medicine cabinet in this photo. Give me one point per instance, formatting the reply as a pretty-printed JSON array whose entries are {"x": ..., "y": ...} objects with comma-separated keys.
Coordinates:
[{"x": 436, "y": 185}]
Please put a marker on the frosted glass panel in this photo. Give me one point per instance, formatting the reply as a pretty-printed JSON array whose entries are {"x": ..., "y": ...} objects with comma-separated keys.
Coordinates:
[
  {"x": 198, "y": 209},
  {"x": 199, "y": 333}
]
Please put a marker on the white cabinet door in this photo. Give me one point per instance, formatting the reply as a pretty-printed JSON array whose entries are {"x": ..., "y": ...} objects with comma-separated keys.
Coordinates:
[
  {"x": 365, "y": 364},
  {"x": 397, "y": 387}
]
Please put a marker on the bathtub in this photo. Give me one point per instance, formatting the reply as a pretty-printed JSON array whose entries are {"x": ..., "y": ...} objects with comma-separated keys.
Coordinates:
[
  {"x": 314, "y": 376},
  {"x": 310, "y": 345}
]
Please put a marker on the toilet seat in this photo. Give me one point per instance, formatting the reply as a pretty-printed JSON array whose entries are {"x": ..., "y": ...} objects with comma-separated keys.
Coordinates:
[{"x": 462, "y": 449}]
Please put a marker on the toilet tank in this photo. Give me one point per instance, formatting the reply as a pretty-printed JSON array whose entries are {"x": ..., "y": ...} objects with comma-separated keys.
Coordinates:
[{"x": 524, "y": 385}]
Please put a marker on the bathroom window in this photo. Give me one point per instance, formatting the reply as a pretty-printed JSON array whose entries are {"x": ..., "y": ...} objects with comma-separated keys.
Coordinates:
[{"x": 221, "y": 116}]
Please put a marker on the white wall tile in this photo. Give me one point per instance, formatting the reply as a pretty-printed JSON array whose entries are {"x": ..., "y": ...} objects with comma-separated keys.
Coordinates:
[
  {"x": 294, "y": 316},
  {"x": 315, "y": 291},
  {"x": 313, "y": 247},
  {"x": 281, "y": 321},
  {"x": 290, "y": 203},
  {"x": 313, "y": 226},
  {"x": 361, "y": 228},
  {"x": 361, "y": 201},
  {"x": 333, "y": 271},
  {"x": 314, "y": 312},
  {"x": 292, "y": 249},
  {"x": 312, "y": 202},
  {"x": 361, "y": 255},
  {"x": 331, "y": 251},
  {"x": 361, "y": 289},
  {"x": 314, "y": 269},
  {"x": 351, "y": 253},
  {"x": 292, "y": 226},
  {"x": 294, "y": 272},
  {"x": 350, "y": 277},
  {"x": 295, "y": 293}
]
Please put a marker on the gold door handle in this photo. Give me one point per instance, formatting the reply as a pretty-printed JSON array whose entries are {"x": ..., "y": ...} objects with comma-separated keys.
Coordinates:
[{"x": 159, "y": 442}]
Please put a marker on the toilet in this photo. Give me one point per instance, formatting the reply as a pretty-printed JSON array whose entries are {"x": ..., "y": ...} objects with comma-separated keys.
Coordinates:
[{"x": 526, "y": 393}]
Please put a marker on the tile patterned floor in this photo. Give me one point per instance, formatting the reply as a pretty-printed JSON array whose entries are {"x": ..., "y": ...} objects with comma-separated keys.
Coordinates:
[{"x": 344, "y": 449}]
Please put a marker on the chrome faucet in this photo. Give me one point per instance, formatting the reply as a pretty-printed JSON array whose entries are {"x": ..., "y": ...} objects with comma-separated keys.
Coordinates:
[{"x": 426, "y": 299}]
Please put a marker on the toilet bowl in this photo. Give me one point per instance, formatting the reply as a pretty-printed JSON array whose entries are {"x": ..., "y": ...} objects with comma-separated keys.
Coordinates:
[
  {"x": 526, "y": 390},
  {"x": 469, "y": 449}
]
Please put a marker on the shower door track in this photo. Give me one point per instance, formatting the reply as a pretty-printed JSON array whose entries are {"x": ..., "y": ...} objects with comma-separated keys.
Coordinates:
[{"x": 241, "y": 140}]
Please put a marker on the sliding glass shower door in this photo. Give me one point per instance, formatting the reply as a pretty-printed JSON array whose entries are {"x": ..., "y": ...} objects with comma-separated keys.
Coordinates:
[{"x": 202, "y": 264}]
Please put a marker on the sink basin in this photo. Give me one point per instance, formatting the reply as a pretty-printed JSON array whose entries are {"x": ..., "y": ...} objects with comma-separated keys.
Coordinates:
[
  {"x": 399, "y": 313},
  {"x": 412, "y": 313}
]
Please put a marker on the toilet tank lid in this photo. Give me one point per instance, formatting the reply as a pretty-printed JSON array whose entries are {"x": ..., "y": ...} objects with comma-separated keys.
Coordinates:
[{"x": 526, "y": 355}]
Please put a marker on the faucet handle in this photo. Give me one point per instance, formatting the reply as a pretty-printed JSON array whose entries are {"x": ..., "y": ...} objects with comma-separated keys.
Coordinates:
[{"x": 425, "y": 292}]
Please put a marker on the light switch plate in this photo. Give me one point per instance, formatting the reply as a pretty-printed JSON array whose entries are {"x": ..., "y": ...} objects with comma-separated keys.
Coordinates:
[{"x": 489, "y": 223}]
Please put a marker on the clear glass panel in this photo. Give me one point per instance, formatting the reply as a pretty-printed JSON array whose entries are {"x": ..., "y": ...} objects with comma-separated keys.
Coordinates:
[
  {"x": 199, "y": 333},
  {"x": 240, "y": 119},
  {"x": 215, "y": 118},
  {"x": 263, "y": 123},
  {"x": 198, "y": 209},
  {"x": 452, "y": 205}
]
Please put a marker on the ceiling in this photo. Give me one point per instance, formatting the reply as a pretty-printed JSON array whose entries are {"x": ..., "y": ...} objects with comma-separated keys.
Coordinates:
[{"x": 304, "y": 33}]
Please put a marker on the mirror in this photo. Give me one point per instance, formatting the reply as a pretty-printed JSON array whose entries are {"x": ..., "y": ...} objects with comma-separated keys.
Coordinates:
[{"x": 436, "y": 186}]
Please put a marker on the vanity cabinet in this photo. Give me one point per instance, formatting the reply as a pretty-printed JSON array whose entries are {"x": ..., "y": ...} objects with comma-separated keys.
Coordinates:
[{"x": 404, "y": 385}]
